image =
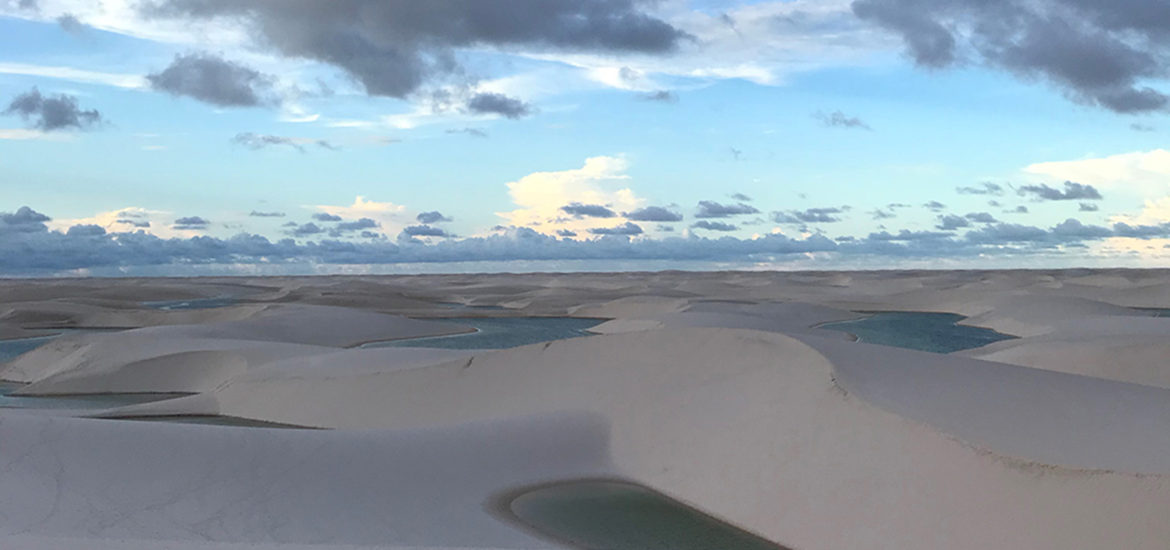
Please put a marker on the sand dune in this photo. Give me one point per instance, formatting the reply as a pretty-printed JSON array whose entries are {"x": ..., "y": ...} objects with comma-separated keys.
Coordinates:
[{"x": 716, "y": 389}]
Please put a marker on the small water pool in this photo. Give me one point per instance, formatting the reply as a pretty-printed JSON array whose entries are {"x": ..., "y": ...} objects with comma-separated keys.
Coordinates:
[
  {"x": 934, "y": 332},
  {"x": 10, "y": 349},
  {"x": 500, "y": 333},
  {"x": 196, "y": 303},
  {"x": 615, "y": 515}
]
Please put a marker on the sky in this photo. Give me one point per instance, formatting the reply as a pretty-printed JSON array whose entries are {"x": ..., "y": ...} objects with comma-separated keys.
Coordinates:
[{"x": 189, "y": 137}]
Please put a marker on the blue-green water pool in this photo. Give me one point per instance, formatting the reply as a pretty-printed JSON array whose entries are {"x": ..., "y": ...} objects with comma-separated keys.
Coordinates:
[
  {"x": 933, "y": 332},
  {"x": 500, "y": 333}
]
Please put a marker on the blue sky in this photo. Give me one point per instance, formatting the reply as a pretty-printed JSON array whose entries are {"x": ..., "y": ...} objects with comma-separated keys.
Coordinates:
[{"x": 826, "y": 132}]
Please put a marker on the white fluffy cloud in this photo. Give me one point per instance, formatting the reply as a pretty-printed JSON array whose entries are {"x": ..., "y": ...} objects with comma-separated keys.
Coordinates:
[
  {"x": 540, "y": 196},
  {"x": 391, "y": 217},
  {"x": 1143, "y": 173}
]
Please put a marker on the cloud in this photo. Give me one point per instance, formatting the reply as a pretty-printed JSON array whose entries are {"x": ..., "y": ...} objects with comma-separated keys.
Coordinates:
[
  {"x": 52, "y": 113},
  {"x": 1018, "y": 210},
  {"x": 984, "y": 188},
  {"x": 837, "y": 119},
  {"x": 653, "y": 214},
  {"x": 498, "y": 104},
  {"x": 190, "y": 223},
  {"x": 880, "y": 214},
  {"x": 424, "y": 231},
  {"x": 741, "y": 197},
  {"x": 950, "y": 222},
  {"x": 1138, "y": 127},
  {"x": 88, "y": 230},
  {"x": 355, "y": 225},
  {"x": 660, "y": 96},
  {"x": 712, "y": 209},
  {"x": 714, "y": 226},
  {"x": 981, "y": 217},
  {"x": 1098, "y": 52},
  {"x": 1087, "y": 207},
  {"x": 71, "y": 24},
  {"x": 212, "y": 79},
  {"x": 390, "y": 217},
  {"x": 256, "y": 142},
  {"x": 627, "y": 228},
  {"x": 811, "y": 215},
  {"x": 395, "y": 47},
  {"x": 24, "y": 220},
  {"x": 1072, "y": 191},
  {"x": 539, "y": 196},
  {"x": 1143, "y": 172},
  {"x": 934, "y": 206},
  {"x": 326, "y": 217},
  {"x": 588, "y": 210},
  {"x": 433, "y": 216},
  {"x": 473, "y": 132},
  {"x": 306, "y": 229},
  {"x": 256, "y": 214},
  {"x": 566, "y": 233}
]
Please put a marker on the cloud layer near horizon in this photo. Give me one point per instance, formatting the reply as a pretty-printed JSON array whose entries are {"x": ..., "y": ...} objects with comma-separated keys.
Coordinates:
[{"x": 29, "y": 247}]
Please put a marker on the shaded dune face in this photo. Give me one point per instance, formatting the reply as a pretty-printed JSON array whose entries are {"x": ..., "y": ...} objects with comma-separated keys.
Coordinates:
[{"x": 613, "y": 514}]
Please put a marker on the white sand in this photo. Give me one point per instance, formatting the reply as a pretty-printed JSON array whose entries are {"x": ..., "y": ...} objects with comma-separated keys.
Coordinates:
[{"x": 711, "y": 387}]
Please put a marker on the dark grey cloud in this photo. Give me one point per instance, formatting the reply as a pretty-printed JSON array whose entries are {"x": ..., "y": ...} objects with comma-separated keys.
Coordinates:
[
  {"x": 395, "y": 47},
  {"x": 306, "y": 229},
  {"x": 579, "y": 210},
  {"x": 712, "y": 209},
  {"x": 984, "y": 188},
  {"x": 50, "y": 113},
  {"x": 326, "y": 217},
  {"x": 138, "y": 224},
  {"x": 256, "y": 142},
  {"x": 653, "y": 214},
  {"x": 935, "y": 206},
  {"x": 660, "y": 96},
  {"x": 257, "y": 214},
  {"x": 951, "y": 222},
  {"x": 566, "y": 233},
  {"x": 28, "y": 5},
  {"x": 356, "y": 225},
  {"x": 1087, "y": 207},
  {"x": 811, "y": 215},
  {"x": 741, "y": 197},
  {"x": 498, "y": 104},
  {"x": 85, "y": 230},
  {"x": 71, "y": 24},
  {"x": 623, "y": 229},
  {"x": 1099, "y": 52},
  {"x": 1072, "y": 191},
  {"x": 837, "y": 119},
  {"x": 714, "y": 226},
  {"x": 880, "y": 214},
  {"x": 24, "y": 220},
  {"x": 1018, "y": 210},
  {"x": 424, "y": 231},
  {"x": 433, "y": 216},
  {"x": 981, "y": 217},
  {"x": 190, "y": 222},
  {"x": 473, "y": 132},
  {"x": 212, "y": 79}
]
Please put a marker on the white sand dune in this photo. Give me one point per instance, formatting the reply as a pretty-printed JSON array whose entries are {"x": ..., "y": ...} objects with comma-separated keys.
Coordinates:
[
  {"x": 191, "y": 358},
  {"x": 713, "y": 388},
  {"x": 767, "y": 441}
]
